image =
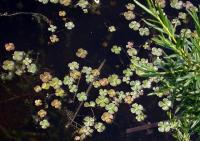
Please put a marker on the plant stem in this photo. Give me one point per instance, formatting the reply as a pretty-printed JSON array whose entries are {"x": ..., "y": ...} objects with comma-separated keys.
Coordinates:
[{"x": 87, "y": 93}]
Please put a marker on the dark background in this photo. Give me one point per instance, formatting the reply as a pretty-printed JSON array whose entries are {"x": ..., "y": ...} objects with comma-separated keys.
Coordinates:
[{"x": 90, "y": 32}]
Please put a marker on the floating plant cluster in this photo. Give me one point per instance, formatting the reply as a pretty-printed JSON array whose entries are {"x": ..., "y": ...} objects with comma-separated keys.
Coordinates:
[
  {"x": 19, "y": 63},
  {"x": 170, "y": 71}
]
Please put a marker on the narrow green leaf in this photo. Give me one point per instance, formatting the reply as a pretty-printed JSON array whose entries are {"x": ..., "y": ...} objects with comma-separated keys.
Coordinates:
[{"x": 144, "y": 8}]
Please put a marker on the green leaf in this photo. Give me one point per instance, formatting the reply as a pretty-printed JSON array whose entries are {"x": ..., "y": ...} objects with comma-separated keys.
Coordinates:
[
  {"x": 196, "y": 20},
  {"x": 153, "y": 26},
  {"x": 144, "y": 8},
  {"x": 188, "y": 76}
]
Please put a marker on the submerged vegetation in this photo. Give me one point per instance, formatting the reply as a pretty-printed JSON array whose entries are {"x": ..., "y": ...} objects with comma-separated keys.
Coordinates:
[{"x": 86, "y": 99}]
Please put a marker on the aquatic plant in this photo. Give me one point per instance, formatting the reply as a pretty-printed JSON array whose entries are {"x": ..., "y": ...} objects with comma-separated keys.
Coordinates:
[
  {"x": 169, "y": 72},
  {"x": 20, "y": 63},
  {"x": 176, "y": 71}
]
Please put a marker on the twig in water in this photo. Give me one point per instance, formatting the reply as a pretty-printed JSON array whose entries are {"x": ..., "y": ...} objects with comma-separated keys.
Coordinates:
[
  {"x": 87, "y": 93},
  {"x": 142, "y": 127},
  {"x": 37, "y": 15}
]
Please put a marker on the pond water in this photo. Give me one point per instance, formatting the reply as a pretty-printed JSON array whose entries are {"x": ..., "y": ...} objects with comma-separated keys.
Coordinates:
[{"x": 90, "y": 33}]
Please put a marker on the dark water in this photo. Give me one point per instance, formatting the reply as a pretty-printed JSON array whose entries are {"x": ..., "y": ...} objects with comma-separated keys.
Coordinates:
[{"x": 90, "y": 32}]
